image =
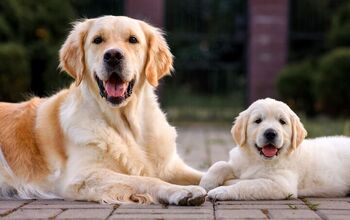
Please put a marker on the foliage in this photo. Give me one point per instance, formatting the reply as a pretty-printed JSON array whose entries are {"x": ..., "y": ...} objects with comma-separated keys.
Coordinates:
[
  {"x": 295, "y": 85},
  {"x": 33, "y": 32},
  {"x": 322, "y": 87},
  {"x": 332, "y": 84},
  {"x": 14, "y": 77}
]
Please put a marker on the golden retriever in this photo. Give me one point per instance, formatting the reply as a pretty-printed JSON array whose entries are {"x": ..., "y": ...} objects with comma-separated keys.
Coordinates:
[
  {"x": 105, "y": 138},
  {"x": 273, "y": 161}
]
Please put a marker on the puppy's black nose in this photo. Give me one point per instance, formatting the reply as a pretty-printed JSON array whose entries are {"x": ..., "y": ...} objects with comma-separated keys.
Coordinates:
[
  {"x": 113, "y": 57},
  {"x": 270, "y": 134}
]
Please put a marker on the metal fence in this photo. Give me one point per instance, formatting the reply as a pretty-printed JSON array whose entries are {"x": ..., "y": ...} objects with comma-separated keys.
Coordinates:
[
  {"x": 309, "y": 21},
  {"x": 207, "y": 38}
]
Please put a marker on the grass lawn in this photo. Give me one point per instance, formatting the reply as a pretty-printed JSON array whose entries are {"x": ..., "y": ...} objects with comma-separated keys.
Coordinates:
[
  {"x": 324, "y": 126},
  {"x": 221, "y": 110}
]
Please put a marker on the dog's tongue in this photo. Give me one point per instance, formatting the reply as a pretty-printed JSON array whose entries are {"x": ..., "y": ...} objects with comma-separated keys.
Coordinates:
[
  {"x": 269, "y": 150},
  {"x": 116, "y": 87}
]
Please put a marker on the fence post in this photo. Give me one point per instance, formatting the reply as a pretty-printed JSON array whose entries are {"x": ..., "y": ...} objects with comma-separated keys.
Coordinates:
[{"x": 267, "y": 46}]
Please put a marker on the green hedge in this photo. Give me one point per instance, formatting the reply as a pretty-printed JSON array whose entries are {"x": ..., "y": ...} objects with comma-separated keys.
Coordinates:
[
  {"x": 323, "y": 86},
  {"x": 318, "y": 88},
  {"x": 333, "y": 82},
  {"x": 296, "y": 86}
]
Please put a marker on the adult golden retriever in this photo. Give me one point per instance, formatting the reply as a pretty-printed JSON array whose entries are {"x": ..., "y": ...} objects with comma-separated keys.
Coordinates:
[
  {"x": 273, "y": 161},
  {"x": 105, "y": 138}
]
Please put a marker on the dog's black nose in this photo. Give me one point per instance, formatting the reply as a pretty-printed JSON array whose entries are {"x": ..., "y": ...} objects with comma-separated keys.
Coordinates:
[
  {"x": 270, "y": 134},
  {"x": 113, "y": 57}
]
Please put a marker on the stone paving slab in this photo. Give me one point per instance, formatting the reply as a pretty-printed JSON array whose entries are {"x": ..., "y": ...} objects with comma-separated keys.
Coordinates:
[
  {"x": 292, "y": 214},
  {"x": 85, "y": 214},
  {"x": 240, "y": 214},
  {"x": 52, "y": 204},
  {"x": 33, "y": 214},
  {"x": 335, "y": 205},
  {"x": 200, "y": 146}
]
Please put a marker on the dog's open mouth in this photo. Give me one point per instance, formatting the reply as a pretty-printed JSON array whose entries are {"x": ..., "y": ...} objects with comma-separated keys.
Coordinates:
[
  {"x": 268, "y": 150},
  {"x": 115, "y": 90}
]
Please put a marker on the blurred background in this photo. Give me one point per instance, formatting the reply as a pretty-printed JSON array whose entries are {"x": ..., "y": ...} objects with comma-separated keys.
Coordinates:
[{"x": 228, "y": 53}]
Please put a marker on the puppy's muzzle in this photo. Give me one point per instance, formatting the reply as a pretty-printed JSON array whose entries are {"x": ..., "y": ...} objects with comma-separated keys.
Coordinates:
[
  {"x": 269, "y": 150},
  {"x": 270, "y": 135}
]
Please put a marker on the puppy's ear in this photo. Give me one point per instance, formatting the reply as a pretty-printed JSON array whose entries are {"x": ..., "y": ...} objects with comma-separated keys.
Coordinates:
[
  {"x": 72, "y": 52},
  {"x": 298, "y": 131},
  {"x": 159, "y": 58},
  {"x": 239, "y": 129}
]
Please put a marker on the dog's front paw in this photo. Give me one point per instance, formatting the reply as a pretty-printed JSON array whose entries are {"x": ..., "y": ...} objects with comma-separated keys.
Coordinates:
[
  {"x": 186, "y": 195},
  {"x": 221, "y": 193},
  {"x": 208, "y": 183}
]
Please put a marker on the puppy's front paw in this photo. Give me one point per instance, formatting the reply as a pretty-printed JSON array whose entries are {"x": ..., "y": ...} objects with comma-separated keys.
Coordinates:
[
  {"x": 208, "y": 183},
  {"x": 186, "y": 195},
  {"x": 220, "y": 193}
]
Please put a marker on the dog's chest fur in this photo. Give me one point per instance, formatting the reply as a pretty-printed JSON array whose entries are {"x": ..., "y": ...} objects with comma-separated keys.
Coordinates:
[{"x": 125, "y": 137}]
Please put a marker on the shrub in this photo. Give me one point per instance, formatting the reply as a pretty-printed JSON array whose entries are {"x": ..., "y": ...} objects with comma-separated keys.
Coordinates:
[
  {"x": 14, "y": 72},
  {"x": 295, "y": 86},
  {"x": 332, "y": 84}
]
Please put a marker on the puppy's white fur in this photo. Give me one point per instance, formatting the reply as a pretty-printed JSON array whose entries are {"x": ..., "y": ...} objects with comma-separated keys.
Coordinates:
[{"x": 312, "y": 167}]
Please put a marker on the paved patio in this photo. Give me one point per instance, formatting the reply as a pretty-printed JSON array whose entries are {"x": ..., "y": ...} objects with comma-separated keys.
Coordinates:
[{"x": 200, "y": 146}]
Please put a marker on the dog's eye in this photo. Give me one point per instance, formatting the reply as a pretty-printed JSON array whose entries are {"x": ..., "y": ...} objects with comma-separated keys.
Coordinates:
[
  {"x": 283, "y": 122},
  {"x": 97, "y": 40},
  {"x": 133, "y": 40},
  {"x": 258, "y": 121}
]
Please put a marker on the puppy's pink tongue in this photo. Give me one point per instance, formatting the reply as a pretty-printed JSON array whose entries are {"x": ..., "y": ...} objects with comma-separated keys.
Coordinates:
[
  {"x": 116, "y": 88},
  {"x": 269, "y": 150}
]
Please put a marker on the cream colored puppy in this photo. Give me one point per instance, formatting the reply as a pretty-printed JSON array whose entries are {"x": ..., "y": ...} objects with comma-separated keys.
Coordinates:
[
  {"x": 105, "y": 138},
  {"x": 273, "y": 161}
]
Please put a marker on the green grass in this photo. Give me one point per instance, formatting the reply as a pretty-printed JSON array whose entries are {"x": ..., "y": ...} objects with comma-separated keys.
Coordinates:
[
  {"x": 325, "y": 126},
  {"x": 185, "y": 108}
]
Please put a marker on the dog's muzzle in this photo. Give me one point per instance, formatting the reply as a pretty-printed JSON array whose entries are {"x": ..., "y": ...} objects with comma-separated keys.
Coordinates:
[{"x": 115, "y": 90}]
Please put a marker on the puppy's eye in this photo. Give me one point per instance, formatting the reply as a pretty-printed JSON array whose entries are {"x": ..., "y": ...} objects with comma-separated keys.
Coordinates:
[
  {"x": 97, "y": 40},
  {"x": 258, "y": 121},
  {"x": 133, "y": 40},
  {"x": 283, "y": 122}
]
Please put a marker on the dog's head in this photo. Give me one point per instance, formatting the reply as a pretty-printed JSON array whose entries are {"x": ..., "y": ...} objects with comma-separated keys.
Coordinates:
[
  {"x": 114, "y": 55},
  {"x": 268, "y": 128}
]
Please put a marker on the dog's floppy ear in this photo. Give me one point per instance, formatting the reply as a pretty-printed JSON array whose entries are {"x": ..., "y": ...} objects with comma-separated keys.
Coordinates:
[
  {"x": 72, "y": 52},
  {"x": 239, "y": 129},
  {"x": 159, "y": 58},
  {"x": 298, "y": 131}
]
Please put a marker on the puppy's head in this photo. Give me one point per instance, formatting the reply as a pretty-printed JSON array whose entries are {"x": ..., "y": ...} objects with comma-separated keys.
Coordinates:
[
  {"x": 268, "y": 128},
  {"x": 115, "y": 55}
]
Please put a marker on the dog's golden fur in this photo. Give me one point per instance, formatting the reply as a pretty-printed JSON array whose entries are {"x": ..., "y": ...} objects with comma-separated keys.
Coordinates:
[{"x": 79, "y": 145}]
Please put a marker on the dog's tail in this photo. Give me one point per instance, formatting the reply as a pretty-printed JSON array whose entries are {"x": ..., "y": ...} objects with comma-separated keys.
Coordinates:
[{"x": 18, "y": 189}]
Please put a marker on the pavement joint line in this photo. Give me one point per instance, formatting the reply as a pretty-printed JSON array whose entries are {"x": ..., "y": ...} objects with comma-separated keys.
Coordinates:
[
  {"x": 54, "y": 217},
  {"x": 115, "y": 207},
  {"x": 310, "y": 205},
  {"x": 313, "y": 208},
  {"x": 266, "y": 213},
  {"x": 322, "y": 216},
  {"x": 15, "y": 209},
  {"x": 214, "y": 209}
]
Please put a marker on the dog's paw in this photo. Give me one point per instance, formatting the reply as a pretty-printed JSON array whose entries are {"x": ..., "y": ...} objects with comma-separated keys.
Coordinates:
[
  {"x": 220, "y": 193},
  {"x": 208, "y": 183},
  {"x": 184, "y": 196}
]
